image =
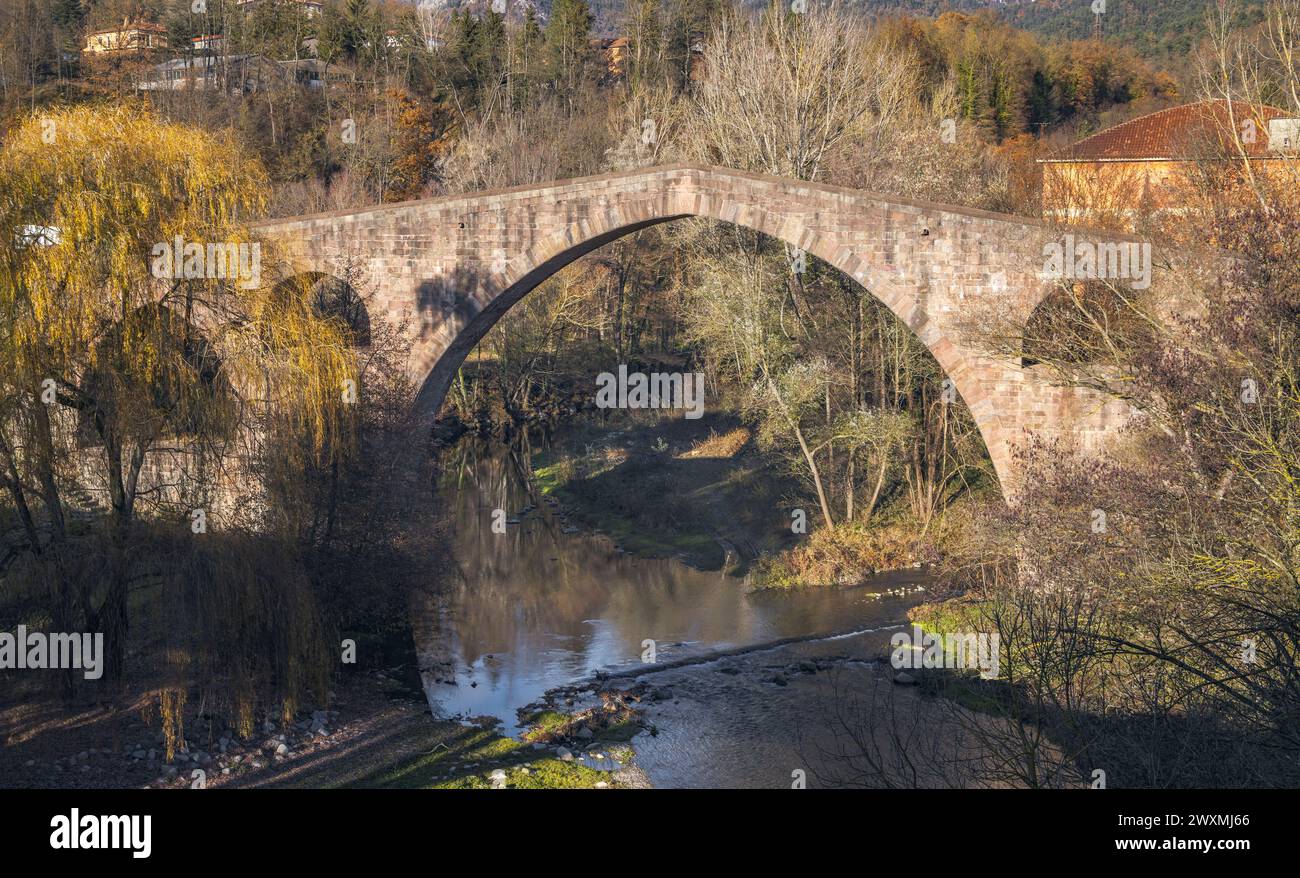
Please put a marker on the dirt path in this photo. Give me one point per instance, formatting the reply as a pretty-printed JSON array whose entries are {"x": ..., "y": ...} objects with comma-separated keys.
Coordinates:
[
  {"x": 373, "y": 733},
  {"x": 46, "y": 745}
]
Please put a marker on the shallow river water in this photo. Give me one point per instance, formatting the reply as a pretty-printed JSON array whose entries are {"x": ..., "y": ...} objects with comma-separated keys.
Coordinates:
[{"x": 542, "y": 606}]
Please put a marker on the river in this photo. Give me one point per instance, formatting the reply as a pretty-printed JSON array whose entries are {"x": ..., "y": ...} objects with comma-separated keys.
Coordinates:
[{"x": 542, "y": 606}]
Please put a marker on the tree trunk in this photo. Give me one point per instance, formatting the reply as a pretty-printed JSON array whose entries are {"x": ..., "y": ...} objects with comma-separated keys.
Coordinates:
[
  {"x": 45, "y": 472},
  {"x": 14, "y": 483},
  {"x": 807, "y": 455},
  {"x": 880, "y": 482}
]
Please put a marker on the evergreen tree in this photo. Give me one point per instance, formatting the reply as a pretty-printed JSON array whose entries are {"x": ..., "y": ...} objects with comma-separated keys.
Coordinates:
[
  {"x": 527, "y": 60},
  {"x": 644, "y": 30},
  {"x": 532, "y": 28},
  {"x": 489, "y": 47},
  {"x": 690, "y": 23},
  {"x": 568, "y": 42},
  {"x": 67, "y": 13},
  {"x": 462, "y": 47},
  {"x": 355, "y": 32}
]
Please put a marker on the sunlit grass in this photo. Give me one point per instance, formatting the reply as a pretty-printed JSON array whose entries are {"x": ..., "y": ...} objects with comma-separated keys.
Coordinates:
[{"x": 467, "y": 758}]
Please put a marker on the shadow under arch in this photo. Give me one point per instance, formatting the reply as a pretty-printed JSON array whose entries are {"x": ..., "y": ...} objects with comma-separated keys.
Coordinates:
[
  {"x": 1074, "y": 324},
  {"x": 331, "y": 296}
]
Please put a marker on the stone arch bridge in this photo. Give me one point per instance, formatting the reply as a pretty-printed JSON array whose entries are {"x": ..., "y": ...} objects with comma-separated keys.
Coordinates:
[{"x": 455, "y": 265}]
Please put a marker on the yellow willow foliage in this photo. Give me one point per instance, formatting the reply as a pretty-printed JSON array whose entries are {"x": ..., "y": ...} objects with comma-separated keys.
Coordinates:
[
  {"x": 239, "y": 616},
  {"x": 171, "y": 708},
  {"x": 113, "y": 182},
  {"x": 106, "y": 185},
  {"x": 295, "y": 363}
]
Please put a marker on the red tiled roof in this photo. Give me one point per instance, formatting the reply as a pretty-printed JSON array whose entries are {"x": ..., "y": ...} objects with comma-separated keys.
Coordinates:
[
  {"x": 127, "y": 28},
  {"x": 1186, "y": 132}
]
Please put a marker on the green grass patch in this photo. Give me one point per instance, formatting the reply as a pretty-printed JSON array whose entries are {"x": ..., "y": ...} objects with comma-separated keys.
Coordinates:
[
  {"x": 949, "y": 617},
  {"x": 466, "y": 758},
  {"x": 546, "y": 723}
]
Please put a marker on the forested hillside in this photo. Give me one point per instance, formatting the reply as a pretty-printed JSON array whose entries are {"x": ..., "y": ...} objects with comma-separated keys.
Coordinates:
[{"x": 1168, "y": 29}]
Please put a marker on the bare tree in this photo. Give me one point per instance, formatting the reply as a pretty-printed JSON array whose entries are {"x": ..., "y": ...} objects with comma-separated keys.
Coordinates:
[{"x": 783, "y": 92}]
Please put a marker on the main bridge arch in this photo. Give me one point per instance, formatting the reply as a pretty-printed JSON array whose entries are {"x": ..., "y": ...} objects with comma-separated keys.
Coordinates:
[{"x": 451, "y": 267}]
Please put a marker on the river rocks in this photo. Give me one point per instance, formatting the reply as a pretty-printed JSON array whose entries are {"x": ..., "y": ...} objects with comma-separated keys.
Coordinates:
[
  {"x": 630, "y": 777},
  {"x": 317, "y": 725},
  {"x": 585, "y": 733},
  {"x": 219, "y": 750},
  {"x": 903, "y": 678},
  {"x": 498, "y": 779},
  {"x": 563, "y": 754}
]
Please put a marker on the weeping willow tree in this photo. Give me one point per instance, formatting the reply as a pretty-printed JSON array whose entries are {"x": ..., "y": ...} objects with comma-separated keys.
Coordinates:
[{"x": 111, "y": 348}]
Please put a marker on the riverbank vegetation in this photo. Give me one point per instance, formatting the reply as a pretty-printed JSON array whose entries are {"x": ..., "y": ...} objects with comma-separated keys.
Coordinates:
[{"x": 1147, "y": 601}]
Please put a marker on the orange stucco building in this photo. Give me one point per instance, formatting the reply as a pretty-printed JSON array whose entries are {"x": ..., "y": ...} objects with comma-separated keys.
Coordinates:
[{"x": 1155, "y": 164}]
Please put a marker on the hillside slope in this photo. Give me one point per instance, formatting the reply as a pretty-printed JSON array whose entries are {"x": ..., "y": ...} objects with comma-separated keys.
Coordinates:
[{"x": 1168, "y": 28}]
